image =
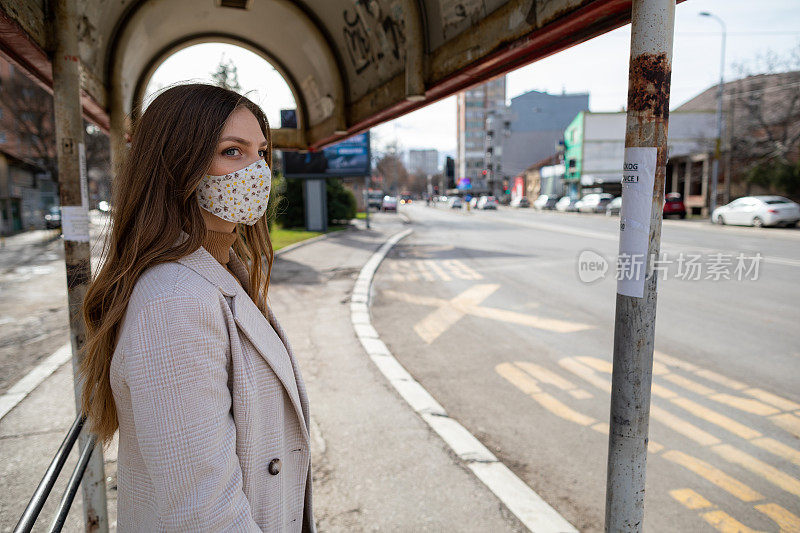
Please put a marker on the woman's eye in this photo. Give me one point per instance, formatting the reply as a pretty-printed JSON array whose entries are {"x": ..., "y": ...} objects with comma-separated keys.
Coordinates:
[
  {"x": 262, "y": 153},
  {"x": 227, "y": 151}
]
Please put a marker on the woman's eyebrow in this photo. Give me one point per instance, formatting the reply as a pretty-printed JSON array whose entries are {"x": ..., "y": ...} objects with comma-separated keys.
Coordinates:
[{"x": 241, "y": 141}]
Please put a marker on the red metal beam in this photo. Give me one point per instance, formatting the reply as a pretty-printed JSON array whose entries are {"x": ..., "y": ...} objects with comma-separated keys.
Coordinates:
[{"x": 19, "y": 49}]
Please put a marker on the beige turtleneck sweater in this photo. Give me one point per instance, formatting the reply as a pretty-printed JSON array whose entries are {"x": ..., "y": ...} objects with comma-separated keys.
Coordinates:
[{"x": 218, "y": 244}]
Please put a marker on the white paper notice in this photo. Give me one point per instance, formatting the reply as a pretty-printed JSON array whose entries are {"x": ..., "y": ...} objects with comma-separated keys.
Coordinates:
[
  {"x": 638, "y": 176},
  {"x": 75, "y": 223},
  {"x": 83, "y": 175}
]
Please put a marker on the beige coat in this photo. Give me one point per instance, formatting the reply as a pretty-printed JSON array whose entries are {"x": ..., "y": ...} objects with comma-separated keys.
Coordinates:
[{"x": 213, "y": 412}]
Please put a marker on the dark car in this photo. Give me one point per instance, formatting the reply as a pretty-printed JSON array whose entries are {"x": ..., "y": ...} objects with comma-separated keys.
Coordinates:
[
  {"x": 673, "y": 205},
  {"x": 52, "y": 219}
]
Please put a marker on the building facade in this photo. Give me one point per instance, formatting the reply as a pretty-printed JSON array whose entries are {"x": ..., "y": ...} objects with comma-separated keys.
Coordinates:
[
  {"x": 473, "y": 107},
  {"x": 594, "y": 147},
  {"x": 537, "y": 124},
  {"x": 423, "y": 162}
]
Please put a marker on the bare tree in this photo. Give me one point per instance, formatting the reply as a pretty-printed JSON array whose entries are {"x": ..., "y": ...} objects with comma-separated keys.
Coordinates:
[
  {"x": 395, "y": 175},
  {"x": 765, "y": 115},
  {"x": 28, "y": 118}
]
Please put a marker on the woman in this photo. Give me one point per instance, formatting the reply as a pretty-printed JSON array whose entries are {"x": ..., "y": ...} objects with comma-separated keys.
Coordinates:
[{"x": 183, "y": 354}]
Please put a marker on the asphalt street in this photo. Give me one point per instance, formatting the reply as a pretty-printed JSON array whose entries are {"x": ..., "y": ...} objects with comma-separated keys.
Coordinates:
[{"x": 489, "y": 312}]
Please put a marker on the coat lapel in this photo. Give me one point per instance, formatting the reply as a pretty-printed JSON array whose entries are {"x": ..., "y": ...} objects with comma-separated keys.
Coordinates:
[{"x": 252, "y": 322}]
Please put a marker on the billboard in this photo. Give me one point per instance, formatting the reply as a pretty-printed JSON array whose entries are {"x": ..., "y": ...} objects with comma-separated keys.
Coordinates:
[{"x": 350, "y": 157}]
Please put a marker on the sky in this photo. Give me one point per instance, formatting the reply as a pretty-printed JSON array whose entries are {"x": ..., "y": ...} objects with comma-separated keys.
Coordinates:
[{"x": 598, "y": 66}]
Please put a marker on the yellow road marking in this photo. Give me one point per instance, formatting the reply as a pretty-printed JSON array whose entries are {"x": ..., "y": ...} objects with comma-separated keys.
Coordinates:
[
  {"x": 673, "y": 361},
  {"x": 459, "y": 264},
  {"x": 662, "y": 392},
  {"x": 528, "y": 385},
  {"x": 585, "y": 373},
  {"x": 722, "y": 380},
  {"x": 716, "y": 418},
  {"x": 690, "y": 499},
  {"x": 788, "y": 522},
  {"x": 598, "y": 364},
  {"x": 432, "y": 326},
  {"x": 688, "y": 384},
  {"x": 466, "y": 303},
  {"x": 744, "y": 404},
  {"x": 457, "y": 268},
  {"x": 725, "y": 523},
  {"x": 423, "y": 270},
  {"x": 683, "y": 427},
  {"x": 713, "y": 475},
  {"x": 788, "y": 422},
  {"x": 396, "y": 275},
  {"x": 767, "y": 471},
  {"x": 549, "y": 324},
  {"x": 433, "y": 265},
  {"x": 414, "y": 298},
  {"x": 773, "y": 399},
  {"x": 778, "y": 448},
  {"x": 546, "y": 376}
]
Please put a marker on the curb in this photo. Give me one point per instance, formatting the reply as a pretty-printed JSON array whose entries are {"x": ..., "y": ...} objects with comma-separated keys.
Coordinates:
[
  {"x": 27, "y": 384},
  {"x": 536, "y": 514}
]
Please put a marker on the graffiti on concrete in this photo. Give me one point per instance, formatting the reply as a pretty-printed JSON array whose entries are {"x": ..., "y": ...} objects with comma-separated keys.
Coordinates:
[
  {"x": 372, "y": 34},
  {"x": 456, "y": 12}
]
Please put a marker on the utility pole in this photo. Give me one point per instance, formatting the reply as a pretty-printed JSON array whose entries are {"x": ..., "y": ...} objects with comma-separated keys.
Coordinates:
[
  {"x": 717, "y": 147},
  {"x": 74, "y": 197},
  {"x": 643, "y": 178}
]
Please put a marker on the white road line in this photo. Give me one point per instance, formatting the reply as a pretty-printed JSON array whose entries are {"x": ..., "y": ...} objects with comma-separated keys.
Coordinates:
[
  {"x": 20, "y": 390},
  {"x": 535, "y": 513}
]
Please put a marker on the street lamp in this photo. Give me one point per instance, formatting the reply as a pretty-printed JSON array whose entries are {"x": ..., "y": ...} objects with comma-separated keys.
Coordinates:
[{"x": 715, "y": 163}]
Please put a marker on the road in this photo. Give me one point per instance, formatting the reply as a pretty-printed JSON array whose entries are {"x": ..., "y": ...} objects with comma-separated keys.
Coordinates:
[
  {"x": 487, "y": 310},
  {"x": 33, "y": 299}
]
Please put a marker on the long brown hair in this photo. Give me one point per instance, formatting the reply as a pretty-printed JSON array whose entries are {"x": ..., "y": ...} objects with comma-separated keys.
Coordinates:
[{"x": 153, "y": 199}]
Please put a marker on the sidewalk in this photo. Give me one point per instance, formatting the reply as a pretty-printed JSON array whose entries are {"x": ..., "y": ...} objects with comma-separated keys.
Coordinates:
[{"x": 376, "y": 464}]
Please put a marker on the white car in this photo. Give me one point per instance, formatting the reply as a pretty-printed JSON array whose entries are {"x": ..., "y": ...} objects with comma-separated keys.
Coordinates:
[
  {"x": 758, "y": 211},
  {"x": 487, "y": 202},
  {"x": 594, "y": 203}
]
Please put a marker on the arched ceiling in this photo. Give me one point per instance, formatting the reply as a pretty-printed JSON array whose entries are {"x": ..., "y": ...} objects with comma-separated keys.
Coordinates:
[{"x": 351, "y": 64}]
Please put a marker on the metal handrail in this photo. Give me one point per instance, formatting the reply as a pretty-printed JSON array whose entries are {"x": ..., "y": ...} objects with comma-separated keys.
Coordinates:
[
  {"x": 72, "y": 485},
  {"x": 31, "y": 513}
]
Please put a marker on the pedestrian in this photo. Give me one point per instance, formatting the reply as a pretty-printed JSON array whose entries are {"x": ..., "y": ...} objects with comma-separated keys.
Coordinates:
[{"x": 184, "y": 354}]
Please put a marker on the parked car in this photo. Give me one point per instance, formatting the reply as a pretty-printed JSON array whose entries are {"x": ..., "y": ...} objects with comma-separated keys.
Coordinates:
[
  {"x": 389, "y": 203},
  {"x": 487, "y": 202},
  {"x": 521, "y": 201},
  {"x": 758, "y": 211},
  {"x": 545, "y": 201},
  {"x": 567, "y": 204},
  {"x": 456, "y": 202},
  {"x": 594, "y": 203},
  {"x": 473, "y": 202},
  {"x": 52, "y": 219},
  {"x": 673, "y": 205},
  {"x": 375, "y": 199},
  {"x": 614, "y": 206}
]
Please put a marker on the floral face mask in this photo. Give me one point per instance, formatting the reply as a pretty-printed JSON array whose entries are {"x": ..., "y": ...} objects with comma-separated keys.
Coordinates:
[{"x": 240, "y": 196}]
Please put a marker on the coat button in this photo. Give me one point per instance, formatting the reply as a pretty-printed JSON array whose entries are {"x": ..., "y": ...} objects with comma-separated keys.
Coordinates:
[{"x": 274, "y": 466}]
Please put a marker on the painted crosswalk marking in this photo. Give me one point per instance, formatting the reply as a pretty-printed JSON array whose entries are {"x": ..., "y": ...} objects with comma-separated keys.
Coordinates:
[
  {"x": 552, "y": 391},
  {"x": 448, "y": 312},
  {"x": 432, "y": 270}
]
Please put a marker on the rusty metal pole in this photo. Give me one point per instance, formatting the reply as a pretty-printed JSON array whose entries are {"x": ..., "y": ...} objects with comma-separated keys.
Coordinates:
[
  {"x": 643, "y": 180},
  {"x": 73, "y": 190}
]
